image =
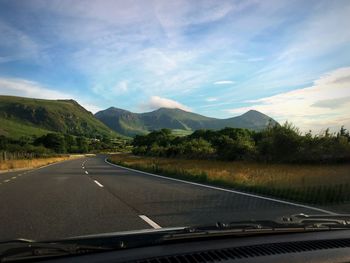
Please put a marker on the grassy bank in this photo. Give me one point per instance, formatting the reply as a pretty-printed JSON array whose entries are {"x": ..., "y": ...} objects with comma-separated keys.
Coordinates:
[
  {"x": 313, "y": 184},
  {"x": 33, "y": 163}
]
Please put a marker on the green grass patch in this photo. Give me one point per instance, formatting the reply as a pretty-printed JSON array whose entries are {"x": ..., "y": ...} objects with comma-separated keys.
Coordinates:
[
  {"x": 181, "y": 133},
  {"x": 15, "y": 130}
]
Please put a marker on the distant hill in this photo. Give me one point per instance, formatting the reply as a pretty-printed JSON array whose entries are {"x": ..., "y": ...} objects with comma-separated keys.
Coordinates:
[
  {"x": 26, "y": 116},
  {"x": 130, "y": 124}
]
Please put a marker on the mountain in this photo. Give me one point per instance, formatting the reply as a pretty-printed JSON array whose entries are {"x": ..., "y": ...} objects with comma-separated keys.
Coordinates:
[
  {"x": 26, "y": 116},
  {"x": 130, "y": 124}
]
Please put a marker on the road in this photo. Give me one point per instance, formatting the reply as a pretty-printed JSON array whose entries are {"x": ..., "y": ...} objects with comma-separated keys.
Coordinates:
[{"x": 89, "y": 196}]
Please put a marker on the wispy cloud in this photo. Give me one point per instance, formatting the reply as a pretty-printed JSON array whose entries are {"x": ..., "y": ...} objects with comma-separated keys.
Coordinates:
[
  {"x": 121, "y": 52},
  {"x": 324, "y": 104},
  {"x": 223, "y": 82},
  {"x": 31, "y": 89},
  {"x": 121, "y": 87},
  {"x": 211, "y": 99},
  {"x": 17, "y": 44},
  {"x": 156, "y": 102}
]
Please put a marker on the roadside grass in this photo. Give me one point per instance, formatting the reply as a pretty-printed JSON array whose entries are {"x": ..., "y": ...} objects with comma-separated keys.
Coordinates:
[
  {"x": 313, "y": 184},
  {"x": 33, "y": 163}
]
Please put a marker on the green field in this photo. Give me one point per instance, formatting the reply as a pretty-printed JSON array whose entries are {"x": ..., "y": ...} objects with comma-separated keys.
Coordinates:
[
  {"x": 14, "y": 129},
  {"x": 178, "y": 132}
]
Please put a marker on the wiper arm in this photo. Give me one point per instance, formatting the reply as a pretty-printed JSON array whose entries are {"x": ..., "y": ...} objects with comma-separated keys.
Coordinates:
[{"x": 318, "y": 220}]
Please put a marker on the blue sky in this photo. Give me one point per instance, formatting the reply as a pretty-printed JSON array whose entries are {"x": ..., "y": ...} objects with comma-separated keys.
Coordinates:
[{"x": 288, "y": 59}]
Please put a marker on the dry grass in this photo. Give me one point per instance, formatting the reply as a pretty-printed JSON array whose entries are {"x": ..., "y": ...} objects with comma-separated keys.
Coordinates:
[
  {"x": 33, "y": 163},
  {"x": 309, "y": 183}
]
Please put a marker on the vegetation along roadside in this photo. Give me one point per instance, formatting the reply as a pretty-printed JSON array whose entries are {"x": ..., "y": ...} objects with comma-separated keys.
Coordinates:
[{"x": 321, "y": 184}]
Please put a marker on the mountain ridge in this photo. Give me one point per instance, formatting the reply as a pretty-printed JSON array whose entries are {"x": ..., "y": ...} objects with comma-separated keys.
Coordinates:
[
  {"x": 130, "y": 124},
  {"x": 20, "y": 116}
]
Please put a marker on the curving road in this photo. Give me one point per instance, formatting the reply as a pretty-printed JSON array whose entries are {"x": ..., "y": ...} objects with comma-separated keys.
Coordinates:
[{"x": 89, "y": 196}]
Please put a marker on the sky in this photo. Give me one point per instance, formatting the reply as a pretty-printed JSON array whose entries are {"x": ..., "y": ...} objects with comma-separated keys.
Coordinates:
[{"x": 288, "y": 59}]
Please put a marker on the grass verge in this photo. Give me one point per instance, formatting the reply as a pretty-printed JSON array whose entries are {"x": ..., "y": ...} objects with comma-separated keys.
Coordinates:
[
  {"x": 311, "y": 184},
  {"x": 32, "y": 163}
]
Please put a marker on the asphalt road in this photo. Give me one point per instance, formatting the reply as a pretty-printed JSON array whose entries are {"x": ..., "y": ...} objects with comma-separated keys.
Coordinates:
[{"x": 89, "y": 196}]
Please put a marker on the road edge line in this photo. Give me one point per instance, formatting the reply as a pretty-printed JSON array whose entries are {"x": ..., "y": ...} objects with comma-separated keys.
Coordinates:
[{"x": 226, "y": 190}]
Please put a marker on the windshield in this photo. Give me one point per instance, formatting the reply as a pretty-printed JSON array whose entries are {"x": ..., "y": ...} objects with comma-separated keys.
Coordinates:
[{"x": 146, "y": 115}]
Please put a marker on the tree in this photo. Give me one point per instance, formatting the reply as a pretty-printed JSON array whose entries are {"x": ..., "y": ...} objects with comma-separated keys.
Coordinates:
[
  {"x": 52, "y": 141},
  {"x": 280, "y": 143},
  {"x": 82, "y": 144}
]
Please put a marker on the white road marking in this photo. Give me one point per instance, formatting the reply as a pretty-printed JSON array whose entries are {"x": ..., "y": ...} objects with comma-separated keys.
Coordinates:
[
  {"x": 6, "y": 181},
  {"x": 227, "y": 190},
  {"x": 13, "y": 177},
  {"x": 83, "y": 167},
  {"x": 100, "y": 185},
  {"x": 150, "y": 222},
  {"x": 86, "y": 172}
]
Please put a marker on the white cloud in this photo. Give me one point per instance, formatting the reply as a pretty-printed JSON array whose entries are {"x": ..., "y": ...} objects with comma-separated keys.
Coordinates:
[
  {"x": 25, "y": 88},
  {"x": 325, "y": 104},
  {"x": 211, "y": 99},
  {"x": 156, "y": 102},
  {"x": 31, "y": 89},
  {"x": 223, "y": 82}
]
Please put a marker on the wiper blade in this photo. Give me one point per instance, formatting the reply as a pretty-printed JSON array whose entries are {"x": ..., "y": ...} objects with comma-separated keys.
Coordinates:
[
  {"x": 288, "y": 224},
  {"x": 26, "y": 249},
  {"x": 18, "y": 250}
]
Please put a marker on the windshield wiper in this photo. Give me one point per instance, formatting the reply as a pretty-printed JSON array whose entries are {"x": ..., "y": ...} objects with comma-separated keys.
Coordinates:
[
  {"x": 287, "y": 224},
  {"x": 17, "y": 250},
  {"x": 342, "y": 220}
]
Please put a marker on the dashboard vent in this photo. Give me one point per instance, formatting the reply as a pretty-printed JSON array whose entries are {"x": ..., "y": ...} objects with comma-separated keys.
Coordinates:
[{"x": 250, "y": 251}]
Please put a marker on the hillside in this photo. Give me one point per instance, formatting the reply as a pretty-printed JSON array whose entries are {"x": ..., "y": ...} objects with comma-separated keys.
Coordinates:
[
  {"x": 26, "y": 116},
  {"x": 130, "y": 124}
]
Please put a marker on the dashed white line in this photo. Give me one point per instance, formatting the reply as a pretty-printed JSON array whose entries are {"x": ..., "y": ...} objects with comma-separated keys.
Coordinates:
[
  {"x": 86, "y": 172},
  {"x": 96, "y": 182},
  {"x": 150, "y": 222},
  {"x": 13, "y": 177},
  {"x": 6, "y": 181}
]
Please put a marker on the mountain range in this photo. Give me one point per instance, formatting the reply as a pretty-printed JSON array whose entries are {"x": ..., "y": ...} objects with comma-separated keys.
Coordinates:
[
  {"x": 28, "y": 116},
  {"x": 131, "y": 124}
]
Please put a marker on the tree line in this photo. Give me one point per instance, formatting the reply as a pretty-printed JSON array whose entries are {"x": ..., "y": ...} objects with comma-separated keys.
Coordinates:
[
  {"x": 57, "y": 143},
  {"x": 279, "y": 143}
]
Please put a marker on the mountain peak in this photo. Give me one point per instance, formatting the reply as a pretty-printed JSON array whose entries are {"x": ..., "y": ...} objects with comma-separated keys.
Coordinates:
[{"x": 253, "y": 113}]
